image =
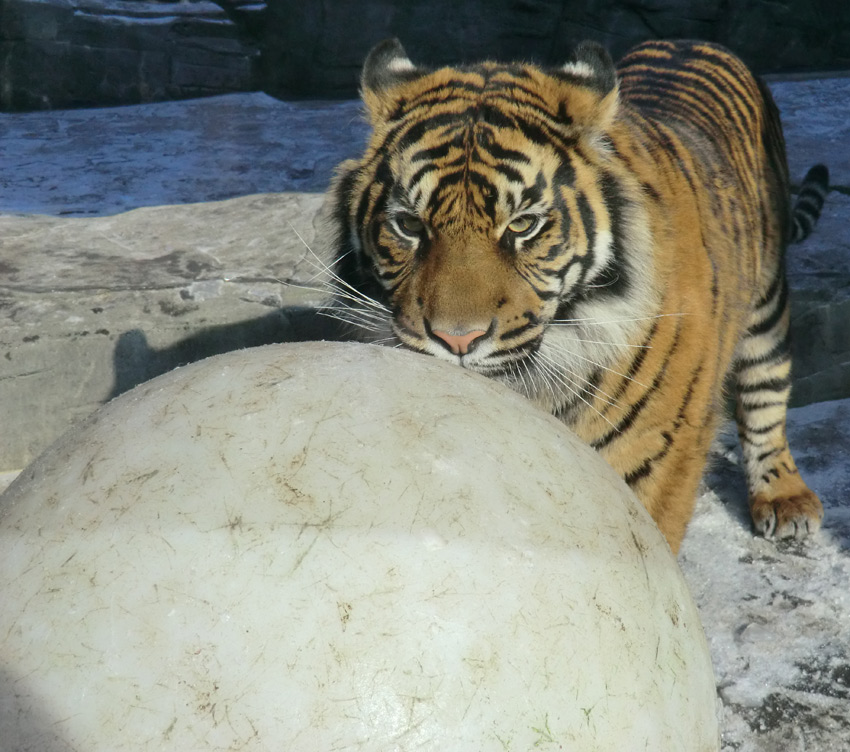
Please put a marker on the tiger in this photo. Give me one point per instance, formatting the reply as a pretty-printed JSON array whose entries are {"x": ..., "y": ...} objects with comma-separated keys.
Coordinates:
[{"x": 606, "y": 240}]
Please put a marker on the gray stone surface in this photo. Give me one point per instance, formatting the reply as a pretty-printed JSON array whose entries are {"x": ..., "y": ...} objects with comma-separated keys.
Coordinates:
[{"x": 91, "y": 307}]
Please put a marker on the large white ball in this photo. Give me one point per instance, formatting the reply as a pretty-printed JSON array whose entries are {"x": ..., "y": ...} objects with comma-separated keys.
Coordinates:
[{"x": 339, "y": 547}]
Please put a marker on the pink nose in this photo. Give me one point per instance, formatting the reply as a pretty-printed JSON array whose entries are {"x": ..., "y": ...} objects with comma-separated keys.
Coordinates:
[{"x": 459, "y": 344}]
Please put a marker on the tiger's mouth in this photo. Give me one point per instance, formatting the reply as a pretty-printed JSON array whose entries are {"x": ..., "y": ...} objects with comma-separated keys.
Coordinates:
[
  {"x": 484, "y": 351},
  {"x": 461, "y": 341}
]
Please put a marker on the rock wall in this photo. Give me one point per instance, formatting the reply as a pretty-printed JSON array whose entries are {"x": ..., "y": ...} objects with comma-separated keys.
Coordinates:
[
  {"x": 317, "y": 48},
  {"x": 66, "y": 53},
  {"x": 69, "y": 53}
]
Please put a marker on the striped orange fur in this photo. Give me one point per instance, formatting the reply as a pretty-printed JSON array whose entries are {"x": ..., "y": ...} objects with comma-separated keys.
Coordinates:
[{"x": 607, "y": 241}]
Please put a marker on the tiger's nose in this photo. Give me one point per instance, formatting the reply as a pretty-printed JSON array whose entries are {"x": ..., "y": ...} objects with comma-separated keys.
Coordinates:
[{"x": 460, "y": 344}]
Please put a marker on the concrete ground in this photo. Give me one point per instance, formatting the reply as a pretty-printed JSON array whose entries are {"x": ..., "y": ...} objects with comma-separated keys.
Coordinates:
[{"x": 136, "y": 239}]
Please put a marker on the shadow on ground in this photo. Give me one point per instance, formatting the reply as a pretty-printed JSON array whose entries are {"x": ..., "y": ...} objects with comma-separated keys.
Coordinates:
[
  {"x": 24, "y": 713},
  {"x": 135, "y": 361}
]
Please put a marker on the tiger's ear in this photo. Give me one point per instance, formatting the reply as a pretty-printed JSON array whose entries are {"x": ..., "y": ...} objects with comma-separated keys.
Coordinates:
[
  {"x": 386, "y": 68},
  {"x": 592, "y": 100}
]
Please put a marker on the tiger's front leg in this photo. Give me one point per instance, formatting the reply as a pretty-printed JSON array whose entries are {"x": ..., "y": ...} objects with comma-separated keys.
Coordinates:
[{"x": 781, "y": 504}]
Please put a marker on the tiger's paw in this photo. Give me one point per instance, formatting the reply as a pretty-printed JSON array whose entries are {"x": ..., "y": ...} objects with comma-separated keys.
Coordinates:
[{"x": 788, "y": 516}]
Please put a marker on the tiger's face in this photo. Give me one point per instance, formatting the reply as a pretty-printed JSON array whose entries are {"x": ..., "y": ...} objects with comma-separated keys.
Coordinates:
[
  {"x": 487, "y": 218},
  {"x": 469, "y": 259}
]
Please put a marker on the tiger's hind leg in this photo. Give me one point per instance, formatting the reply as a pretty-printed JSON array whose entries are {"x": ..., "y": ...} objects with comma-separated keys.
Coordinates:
[{"x": 781, "y": 504}]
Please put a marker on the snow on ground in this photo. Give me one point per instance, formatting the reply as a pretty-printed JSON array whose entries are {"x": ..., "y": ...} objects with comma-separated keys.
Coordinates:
[{"x": 777, "y": 615}]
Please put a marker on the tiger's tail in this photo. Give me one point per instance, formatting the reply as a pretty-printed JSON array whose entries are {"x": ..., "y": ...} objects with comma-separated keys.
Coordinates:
[{"x": 809, "y": 203}]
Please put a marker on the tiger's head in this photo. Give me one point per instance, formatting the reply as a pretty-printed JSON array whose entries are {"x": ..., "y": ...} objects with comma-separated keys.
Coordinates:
[{"x": 490, "y": 222}]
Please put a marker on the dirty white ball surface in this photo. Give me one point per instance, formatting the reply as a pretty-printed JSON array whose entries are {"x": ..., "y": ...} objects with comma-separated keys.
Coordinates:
[{"x": 339, "y": 547}]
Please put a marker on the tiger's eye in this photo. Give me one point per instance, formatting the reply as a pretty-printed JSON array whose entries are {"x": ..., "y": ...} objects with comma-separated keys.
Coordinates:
[
  {"x": 523, "y": 224},
  {"x": 410, "y": 225}
]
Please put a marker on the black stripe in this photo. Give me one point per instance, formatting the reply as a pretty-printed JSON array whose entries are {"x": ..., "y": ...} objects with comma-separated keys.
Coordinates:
[
  {"x": 645, "y": 468},
  {"x": 764, "y": 455},
  {"x": 532, "y": 194},
  {"x": 516, "y": 331},
  {"x": 524, "y": 348},
  {"x": 500, "y": 152},
  {"x": 542, "y": 132},
  {"x": 691, "y": 107},
  {"x": 349, "y": 260},
  {"x": 418, "y": 129},
  {"x": 777, "y": 354},
  {"x": 638, "y": 406},
  {"x": 614, "y": 278},
  {"x": 382, "y": 251},
  {"x": 422, "y": 172},
  {"x": 555, "y": 250},
  {"x": 565, "y": 175},
  {"x": 488, "y": 192},
  {"x": 588, "y": 221},
  {"x": 509, "y": 89},
  {"x": 576, "y": 294},
  {"x": 680, "y": 416},
  {"x": 773, "y": 319},
  {"x": 669, "y": 148},
  {"x": 509, "y": 172},
  {"x": 764, "y": 429},
  {"x": 586, "y": 392},
  {"x": 772, "y": 385},
  {"x": 383, "y": 178},
  {"x": 727, "y": 94},
  {"x": 492, "y": 115},
  {"x": 778, "y": 280},
  {"x": 735, "y": 72},
  {"x": 434, "y": 152},
  {"x": 762, "y": 405},
  {"x": 671, "y": 97},
  {"x": 636, "y": 363},
  {"x": 438, "y": 94},
  {"x": 459, "y": 88}
]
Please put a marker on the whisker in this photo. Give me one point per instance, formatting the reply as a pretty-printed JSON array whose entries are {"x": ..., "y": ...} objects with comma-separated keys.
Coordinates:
[
  {"x": 352, "y": 316},
  {"x": 360, "y": 325},
  {"x": 341, "y": 288},
  {"x": 560, "y": 376},
  {"x": 549, "y": 382},
  {"x": 340, "y": 305},
  {"x": 604, "y": 285},
  {"x": 564, "y": 350},
  {"x": 341, "y": 302},
  {"x": 613, "y": 344},
  {"x": 577, "y": 322},
  {"x": 351, "y": 290},
  {"x": 517, "y": 368},
  {"x": 576, "y": 379},
  {"x": 310, "y": 288},
  {"x": 385, "y": 340}
]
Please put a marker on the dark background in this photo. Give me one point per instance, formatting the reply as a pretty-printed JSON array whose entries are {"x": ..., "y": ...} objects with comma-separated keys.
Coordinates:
[{"x": 68, "y": 53}]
